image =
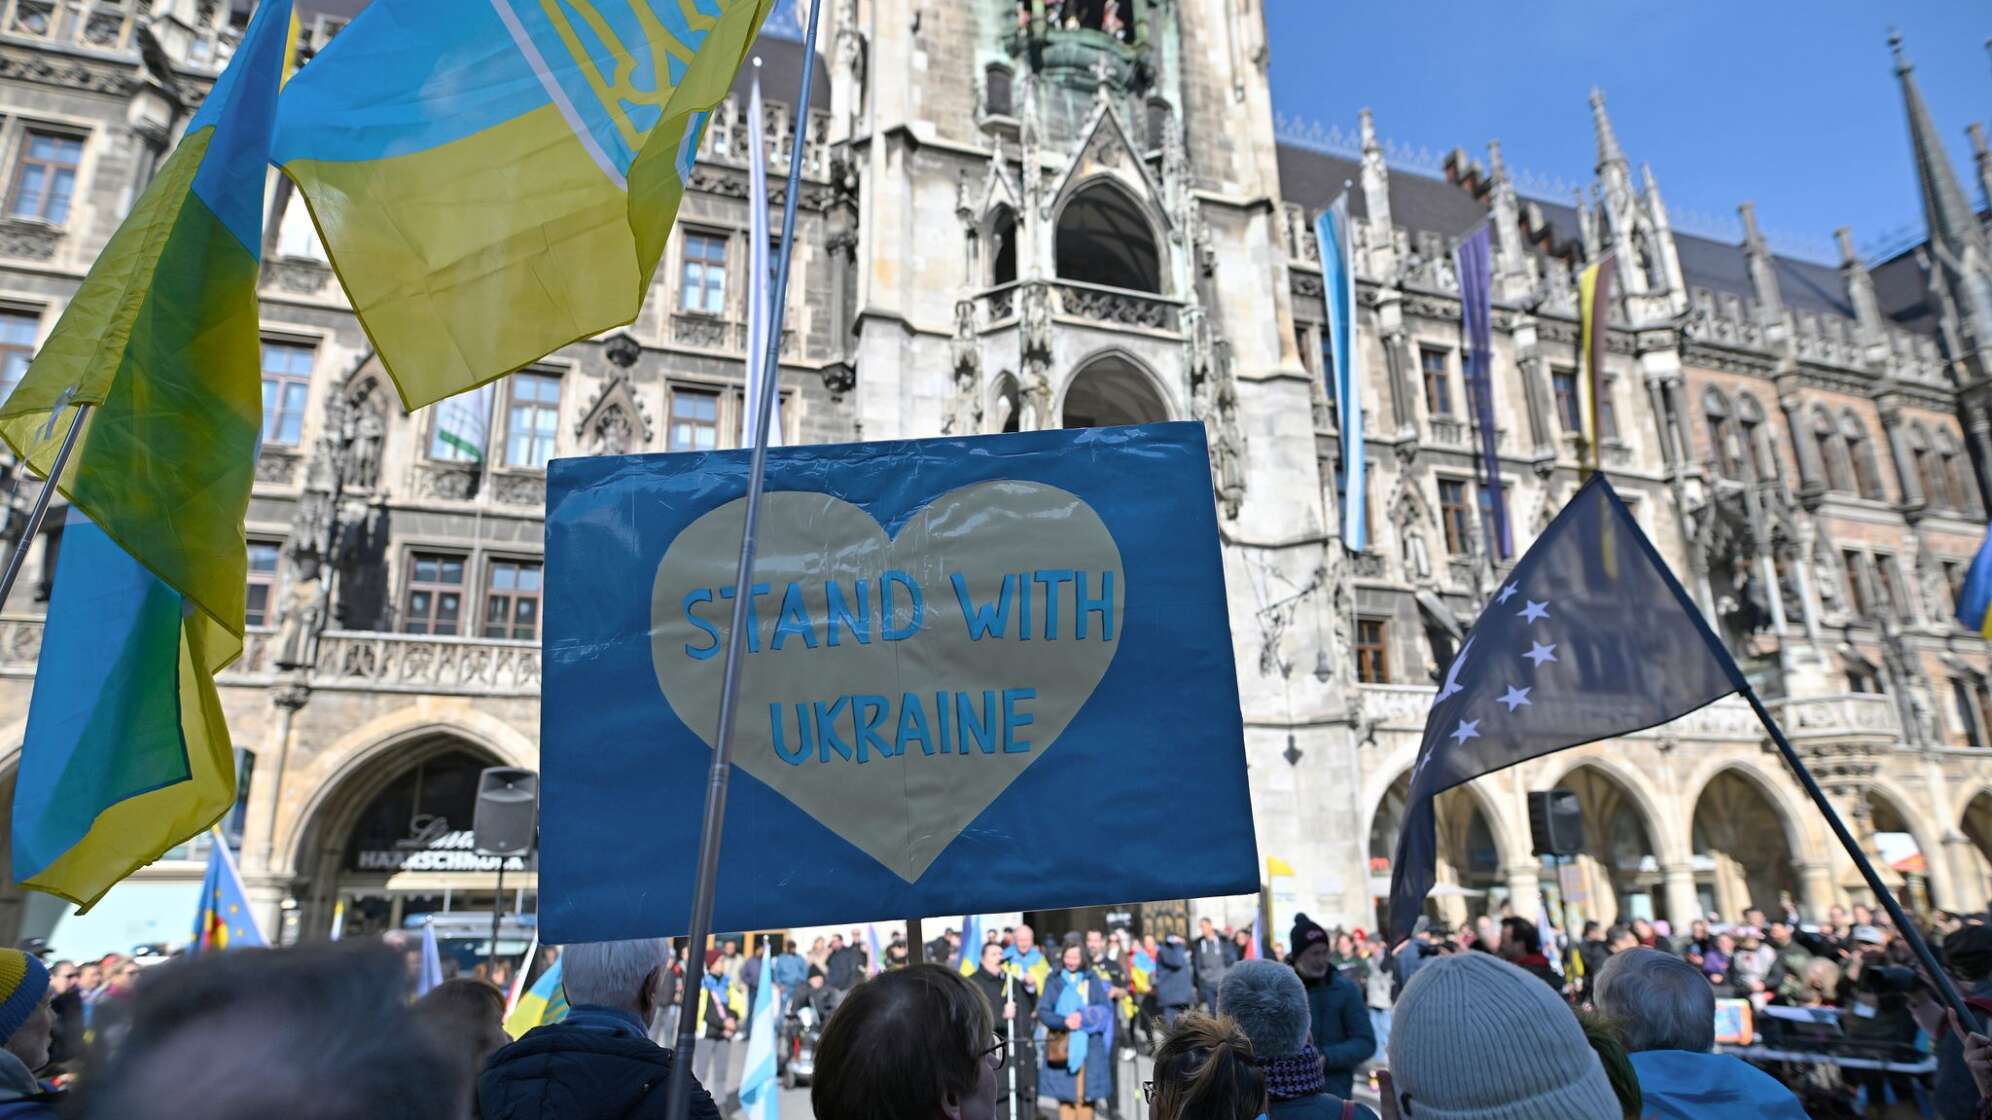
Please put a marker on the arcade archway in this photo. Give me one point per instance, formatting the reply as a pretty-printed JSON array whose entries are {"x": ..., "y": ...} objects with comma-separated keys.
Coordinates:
[
  {"x": 1619, "y": 873},
  {"x": 1112, "y": 390},
  {"x": 1974, "y": 877},
  {"x": 1742, "y": 851},
  {"x": 1468, "y": 881}
]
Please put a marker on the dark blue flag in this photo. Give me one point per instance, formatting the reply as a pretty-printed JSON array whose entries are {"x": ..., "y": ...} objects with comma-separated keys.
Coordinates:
[
  {"x": 1476, "y": 302},
  {"x": 1590, "y": 637}
]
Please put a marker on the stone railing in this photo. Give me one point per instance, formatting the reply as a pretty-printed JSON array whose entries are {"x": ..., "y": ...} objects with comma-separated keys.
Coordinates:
[
  {"x": 21, "y": 645},
  {"x": 1858, "y": 715},
  {"x": 708, "y": 332},
  {"x": 1402, "y": 707},
  {"x": 413, "y": 663},
  {"x": 998, "y": 304},
  {"x": 1116, "y": 306},
  {"x": 1449, "y": 432}
]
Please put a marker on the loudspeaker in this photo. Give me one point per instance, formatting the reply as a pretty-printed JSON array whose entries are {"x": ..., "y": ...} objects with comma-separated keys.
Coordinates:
[
  {"x": 507, "y": 811},
  {"x": 1556, "y": 822}
]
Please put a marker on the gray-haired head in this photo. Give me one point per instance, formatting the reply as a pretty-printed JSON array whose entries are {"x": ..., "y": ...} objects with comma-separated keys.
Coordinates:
[
  {"x": 613, "y": 973},
  {"x": 1661, "y": 1002},
  {"x": 1270, "y": 1005}
]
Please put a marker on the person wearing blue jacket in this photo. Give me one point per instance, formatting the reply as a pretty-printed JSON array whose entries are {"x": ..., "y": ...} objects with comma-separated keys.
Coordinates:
[
  {"x": 1076, "y": 1002},
  {"x": 1665, "y": 1008},
  {"x": 1337, "y": 1009},
  {"x": 1175, "y": 986},
  {"x": 27, "y": 1027}
]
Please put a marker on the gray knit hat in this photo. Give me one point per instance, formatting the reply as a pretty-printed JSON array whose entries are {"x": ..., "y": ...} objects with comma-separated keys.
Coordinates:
[
  {"x": 1269, "y": 1004},
  {"x": 1475, "y": 1038}
]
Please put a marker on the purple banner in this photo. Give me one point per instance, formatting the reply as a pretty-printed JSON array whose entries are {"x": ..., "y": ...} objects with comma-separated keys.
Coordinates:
[{"x": 1474, "y": 258}]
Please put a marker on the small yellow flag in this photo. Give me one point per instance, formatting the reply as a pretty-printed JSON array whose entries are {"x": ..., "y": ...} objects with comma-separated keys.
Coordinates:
[{"x": 1276, "y": 866}]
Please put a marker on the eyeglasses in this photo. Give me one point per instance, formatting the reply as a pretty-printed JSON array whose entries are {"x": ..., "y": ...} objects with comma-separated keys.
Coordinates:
[
  {"x": 1002, "y": 1052},
  {"x": 1148, "y": 1090}
]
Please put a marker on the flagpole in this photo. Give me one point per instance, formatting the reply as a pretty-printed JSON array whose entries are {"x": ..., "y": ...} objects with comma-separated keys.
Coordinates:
[
  {"x": 1946, "y": 990},
  {"x": 36, "y": 516},
  {"x": 705, "y": 885}
]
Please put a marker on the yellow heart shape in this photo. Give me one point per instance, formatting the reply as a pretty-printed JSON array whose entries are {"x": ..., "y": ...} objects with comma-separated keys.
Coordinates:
[{"x": 1020, "y": 602}]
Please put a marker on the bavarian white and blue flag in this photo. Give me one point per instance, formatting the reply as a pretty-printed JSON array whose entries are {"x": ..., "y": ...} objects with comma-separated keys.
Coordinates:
[{"x": 1591, "y": 636}]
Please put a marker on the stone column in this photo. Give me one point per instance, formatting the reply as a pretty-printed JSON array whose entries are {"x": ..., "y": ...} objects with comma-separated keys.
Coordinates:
[
  {"x": 1669, "y": 453},
  {"x": 1811, "y": 472},
  {"x": 266, "y": 882},
  {"x": 1683, "y": 423},
  {"x": 1773, "y": 594},
  {"x": 1525, "y": 888},
  {"x": 1683, "y": 906},
  {"x": 1979, "y": 430},
  {"x": 1965, "y": 861},
  {"x": 1815, "y": 887}
]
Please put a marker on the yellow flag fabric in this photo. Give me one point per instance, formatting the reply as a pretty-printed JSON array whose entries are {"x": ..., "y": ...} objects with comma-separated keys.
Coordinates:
[{"x": 494, "y": 179}]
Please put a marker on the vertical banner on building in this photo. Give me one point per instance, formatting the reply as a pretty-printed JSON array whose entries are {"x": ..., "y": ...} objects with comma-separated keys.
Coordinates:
[
  {"x": 1338, "y": 296},
  {"x": 1594, "y": 300},
  {"x": 981, "y": 675},
  {"x": 1476, "y": 295},
  {"x": 759, "y": 276}
]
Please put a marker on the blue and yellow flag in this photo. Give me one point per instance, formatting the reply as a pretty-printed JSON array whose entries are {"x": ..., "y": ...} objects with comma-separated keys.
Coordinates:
[
  {"x": 1974, "y": 598},
  {"x": 544, "y": 1002},
  {"x": 126, "y": 753},
  {"x": 224, "y": 920},
  {"x": 494, "y": 179}
]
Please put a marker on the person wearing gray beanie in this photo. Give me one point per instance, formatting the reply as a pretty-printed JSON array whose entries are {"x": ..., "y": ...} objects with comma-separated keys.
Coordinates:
[
  {"x": 1475, "y": 1038},
  {"x": 1269, "y": 1003}
]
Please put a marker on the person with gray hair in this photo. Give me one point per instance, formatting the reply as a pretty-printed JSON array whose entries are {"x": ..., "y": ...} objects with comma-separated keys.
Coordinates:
[
  {"x": 1664, "y": 1010},
  {"x": 599, "y": 1061},
  {"x": 1269, "y": 1003}
]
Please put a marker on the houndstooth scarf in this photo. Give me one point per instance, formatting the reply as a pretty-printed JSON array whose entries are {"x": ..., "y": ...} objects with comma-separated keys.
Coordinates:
[{"x": 1296, "y": 1075}]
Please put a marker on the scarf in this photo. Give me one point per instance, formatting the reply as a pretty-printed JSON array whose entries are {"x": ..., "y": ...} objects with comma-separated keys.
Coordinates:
[
  {"x": 1295, "y": 1076},
  {"x": 1071, "y": 999}
]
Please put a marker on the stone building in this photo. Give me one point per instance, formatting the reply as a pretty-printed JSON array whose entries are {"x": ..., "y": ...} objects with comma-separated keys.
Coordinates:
[{"x": 1021, "y": 214}]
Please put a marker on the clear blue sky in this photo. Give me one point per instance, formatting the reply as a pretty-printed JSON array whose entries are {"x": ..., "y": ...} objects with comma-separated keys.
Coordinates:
[{"x": 1793, "y": 105}]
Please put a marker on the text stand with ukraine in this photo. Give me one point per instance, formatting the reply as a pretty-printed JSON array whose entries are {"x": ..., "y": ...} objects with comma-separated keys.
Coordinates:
[{"x": 678, "y": 1102}]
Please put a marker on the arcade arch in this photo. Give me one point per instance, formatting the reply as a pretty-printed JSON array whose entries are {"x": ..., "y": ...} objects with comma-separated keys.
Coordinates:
[
  {"x": 1618, "y": 876},
  {"x": 1469, "y": 881},
  {"x": 1741, "y": 841}
]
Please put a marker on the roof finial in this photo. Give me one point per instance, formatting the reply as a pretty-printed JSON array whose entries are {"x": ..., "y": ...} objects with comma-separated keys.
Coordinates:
[
  {"x": 1902, "y": 63},
  {"x": 1608, "y": 145}
]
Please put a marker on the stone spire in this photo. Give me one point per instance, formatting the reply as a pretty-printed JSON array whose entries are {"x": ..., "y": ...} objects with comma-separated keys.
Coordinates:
[
  {"x": 1763, "y": 267},
  {"x": 1982, "y": 157},
  {"x": 1860, "y": 287},
  {"x": 1511, "y": 272},
  {"x": 1671, "y": 278},
  {"x": 1609, "y": 151},
  {"x": 1615, "y": 202},
  {"x": 1956, "y": 241},
  {"x": 1376, "y": 202}
]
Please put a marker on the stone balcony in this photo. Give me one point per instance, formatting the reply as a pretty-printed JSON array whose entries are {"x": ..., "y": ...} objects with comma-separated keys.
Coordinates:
[
  {"x": 348, "y": 660},
  {"x": 1854, "y": 717}
]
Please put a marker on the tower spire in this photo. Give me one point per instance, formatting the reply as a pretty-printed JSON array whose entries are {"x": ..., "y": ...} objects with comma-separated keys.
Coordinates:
[
  {"x": 1956, "y": 240},
  {"x": 1601, "y": 122}
]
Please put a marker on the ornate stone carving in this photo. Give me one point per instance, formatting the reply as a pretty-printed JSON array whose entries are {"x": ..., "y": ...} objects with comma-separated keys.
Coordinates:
[
  {"x": 839, "y": 378},
  {"x": 446, "y": 481},
  {"x": 1119, "y": 308},
  {"x": 616, "y": 421},
  {"x": 964, "y": 408},
  {"x": 276, "y": 465},
  {"x": 295, "y": 274},
  {"x": 35, "y": 241},
  {"x": 519, "y": 489},
  {"x": 300, "y": 616},
  {"x": 701, "y": 331}
]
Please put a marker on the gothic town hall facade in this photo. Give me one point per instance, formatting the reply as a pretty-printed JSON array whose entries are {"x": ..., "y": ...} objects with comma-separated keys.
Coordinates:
[{"x": 1022, "y": 214}]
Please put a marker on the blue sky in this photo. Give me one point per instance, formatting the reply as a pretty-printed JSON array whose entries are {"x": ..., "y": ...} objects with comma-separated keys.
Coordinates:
[{"x": 1792, "y": 105}]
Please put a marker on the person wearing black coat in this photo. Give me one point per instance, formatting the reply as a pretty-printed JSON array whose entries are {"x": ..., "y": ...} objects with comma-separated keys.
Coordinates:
[
  {"x": 597, "y": 1062},
  {"x": 1337, "y": 1010},
  {"x": 1021, "y": 1007},
  {"x": 1211, "y": 957}
]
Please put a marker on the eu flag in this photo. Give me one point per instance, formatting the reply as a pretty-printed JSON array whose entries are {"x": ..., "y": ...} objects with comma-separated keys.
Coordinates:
[
  {"x": 224, "y": 920},
  {"x": 1590, "y": 637}
]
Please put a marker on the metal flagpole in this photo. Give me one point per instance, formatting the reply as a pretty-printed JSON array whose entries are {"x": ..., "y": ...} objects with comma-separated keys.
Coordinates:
[
  {"x": 678, "y": 1102},
  {"x": 1009, "y": 1035},
  {"x": 1946, "y": 990},
  {"x": 19, "y": 556}
]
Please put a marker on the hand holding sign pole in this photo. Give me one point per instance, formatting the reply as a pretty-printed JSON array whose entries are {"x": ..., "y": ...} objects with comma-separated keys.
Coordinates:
[{"x": 678, "y": 1101}]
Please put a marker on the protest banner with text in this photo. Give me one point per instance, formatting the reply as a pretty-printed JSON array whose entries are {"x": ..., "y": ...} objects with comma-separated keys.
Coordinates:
[{"x": 981, "y": 674}]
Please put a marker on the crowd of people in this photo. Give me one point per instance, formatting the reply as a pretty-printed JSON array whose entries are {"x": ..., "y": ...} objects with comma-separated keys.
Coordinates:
[{"x": 1485, "y": 1022}]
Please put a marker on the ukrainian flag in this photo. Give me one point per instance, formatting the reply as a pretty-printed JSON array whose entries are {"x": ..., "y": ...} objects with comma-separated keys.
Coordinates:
[
  {"x": 225, "y": 920},
  {"x": 544, "y": 1002},
  {"x": 126, "y": 753},
  {"x": 494, "y": 179},
  {"x": 1974, "y": 599}
]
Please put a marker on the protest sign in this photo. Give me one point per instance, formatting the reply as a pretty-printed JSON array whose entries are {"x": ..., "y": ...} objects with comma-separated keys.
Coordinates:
[{"x": 981, "y": 675}]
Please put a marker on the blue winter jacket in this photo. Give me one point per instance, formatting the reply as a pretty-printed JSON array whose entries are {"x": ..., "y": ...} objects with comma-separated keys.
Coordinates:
[
  {"x": 1682, "y": 1085},
  {"x": 1342, "y": 1029},
  {"x": 1174, "y": 986},
  {"x": 597, "y": 1064}
]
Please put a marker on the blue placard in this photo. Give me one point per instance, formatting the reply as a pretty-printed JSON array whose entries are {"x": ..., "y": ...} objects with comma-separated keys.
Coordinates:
[{"x": 984, "y": 675}]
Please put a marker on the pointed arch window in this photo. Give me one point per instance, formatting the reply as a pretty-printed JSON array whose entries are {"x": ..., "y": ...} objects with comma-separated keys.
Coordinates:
[
  {"x": 1762, "y": 456},
  {"x": 1724, "y": 450},
  {"x": 1105, "y": 238},
  {"x": 1929, "y": 473},
  {"x": 1960, "y": 486},
  {"x": 1003, "y": 246},
  {"x": 1860, "y": 449}
]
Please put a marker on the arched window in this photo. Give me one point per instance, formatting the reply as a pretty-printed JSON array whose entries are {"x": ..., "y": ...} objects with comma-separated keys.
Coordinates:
[
  {"x": 1105, "y": 238},
  {"x": 1722, "y": 446},
  {"x": 1112, "y": 390},
  {"x": 1762, "y": 455},
  {"x": 1867, "y": 469},
  {"x": 1003, "y": 246},
  {"x": 1833, "y": 462},
  {"x": 1929, "y": 475},
  {"x": 1960, "y": 486}
]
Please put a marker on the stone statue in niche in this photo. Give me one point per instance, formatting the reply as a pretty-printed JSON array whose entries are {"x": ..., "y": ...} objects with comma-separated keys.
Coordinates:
[
  {"x": 298, "y": 616},
  {"x": 1228, "y": 449},
  {"x": 613, "y": 434}
]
